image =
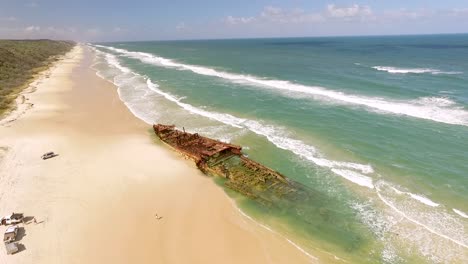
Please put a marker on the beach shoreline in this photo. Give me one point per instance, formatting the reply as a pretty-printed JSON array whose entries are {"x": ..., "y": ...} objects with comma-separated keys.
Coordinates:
[{"x": 113, "y": 194}]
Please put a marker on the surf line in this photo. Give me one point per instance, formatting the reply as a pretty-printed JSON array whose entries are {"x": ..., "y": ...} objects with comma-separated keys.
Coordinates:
[
  {"x": 343, "y": 169},
  {"x": 452, "y": 115},
  {"x": 280, "y": 141},
  {"x": 460, "y": 213},
  {"x": 418, "y": 223}
]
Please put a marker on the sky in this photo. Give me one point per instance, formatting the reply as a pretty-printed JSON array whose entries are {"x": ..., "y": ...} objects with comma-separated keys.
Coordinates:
[{"x": 117, "y": 20}]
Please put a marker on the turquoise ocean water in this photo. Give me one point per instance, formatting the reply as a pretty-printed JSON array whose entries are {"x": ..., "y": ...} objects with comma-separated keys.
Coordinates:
[{"x": 376, "y": 127}]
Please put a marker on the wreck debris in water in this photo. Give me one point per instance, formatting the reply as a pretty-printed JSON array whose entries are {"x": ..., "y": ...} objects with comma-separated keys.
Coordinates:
[{"x": 242, "y": 174}]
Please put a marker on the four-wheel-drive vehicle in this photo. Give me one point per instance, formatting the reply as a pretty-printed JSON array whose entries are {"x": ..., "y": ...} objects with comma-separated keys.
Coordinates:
[
  {"x": 10, "y": 234},
  {"x": 49, "y": 155},
  {"x": 11, "y": 248},
  {"x": 12, "y": 219}
]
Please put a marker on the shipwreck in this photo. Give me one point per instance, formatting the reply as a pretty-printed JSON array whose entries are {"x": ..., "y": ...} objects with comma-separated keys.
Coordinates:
[{"x": 241, "y": 174}]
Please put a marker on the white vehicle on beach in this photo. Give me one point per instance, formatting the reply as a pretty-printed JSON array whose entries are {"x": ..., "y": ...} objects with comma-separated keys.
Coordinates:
[
  {"x": 9, "y": 239},
  {"x": 10, "y": 234},
  {"x": 11, "y": 248},
  {"x": 12, "y": 219}
]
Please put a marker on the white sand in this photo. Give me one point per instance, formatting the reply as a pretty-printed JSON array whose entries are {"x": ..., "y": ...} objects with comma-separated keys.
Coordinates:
[{"x": 96, "y": 202}]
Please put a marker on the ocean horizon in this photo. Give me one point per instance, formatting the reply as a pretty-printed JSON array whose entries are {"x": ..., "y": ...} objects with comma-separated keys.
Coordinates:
[
  {"x": 375, "y": 126},
  {"x": 279, "y": 37}
]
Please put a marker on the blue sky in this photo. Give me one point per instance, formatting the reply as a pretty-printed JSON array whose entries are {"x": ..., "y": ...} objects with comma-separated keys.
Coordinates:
[{"x": 85, "y": 20}]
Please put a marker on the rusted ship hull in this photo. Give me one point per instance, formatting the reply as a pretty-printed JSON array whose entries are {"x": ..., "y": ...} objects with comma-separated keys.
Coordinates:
[
  {"x": 242, "y": 174},
  {"x": 283, "y": 199}
]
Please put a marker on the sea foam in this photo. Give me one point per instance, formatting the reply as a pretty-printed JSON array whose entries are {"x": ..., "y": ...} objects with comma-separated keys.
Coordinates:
[
  {"x": 419, "y": 223},
  {"x": 275, "y": 134},
  {"x": 355, "y": 177},
  {"x": 449, "y": 114},
  {"x": 397, "y": 70},
  {"x": 417, "y": 197},
  {"x": 423, "y": 200},
  {"x": 460, "y": 213}
]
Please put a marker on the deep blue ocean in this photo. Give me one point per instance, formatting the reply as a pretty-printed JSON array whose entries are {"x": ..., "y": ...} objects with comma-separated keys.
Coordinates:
[{"x": 377, "y": 127}]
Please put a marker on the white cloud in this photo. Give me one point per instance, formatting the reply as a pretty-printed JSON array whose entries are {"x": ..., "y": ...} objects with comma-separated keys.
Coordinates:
[
  {"x": 270, "y": 21},
  {"x": 66, "y": 32},
  {"x": 278, "y": 15},
  {"x": 238, "y": 20},
  {"x": 404, "y": 13},
  {"x": 271, "y": 14},
  {"x": 8, "y": 19},
  {"x": 352, "y": 19},
  {"x": 349, "y": 12},
  {"x": 33, "y": 29},
  {"x": 355, "y": 19}
]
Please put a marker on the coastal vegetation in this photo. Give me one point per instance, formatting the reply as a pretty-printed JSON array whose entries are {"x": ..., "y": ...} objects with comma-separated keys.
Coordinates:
[{"x": 20, "y": 60}]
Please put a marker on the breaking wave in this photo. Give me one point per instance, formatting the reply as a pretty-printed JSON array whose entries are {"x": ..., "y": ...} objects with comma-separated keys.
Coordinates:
[
  {"x": 355, "y": 177},
  {"x": 460, "y": 213},
  {"x": 419, "y": 223},
  {"x": 417, "y": 197},
  {"x": 396, "y": 70},
  {"x": 423, "y": 200},
  {"x": 276, "y": 135},
  {"x": 449, "y": 114}
]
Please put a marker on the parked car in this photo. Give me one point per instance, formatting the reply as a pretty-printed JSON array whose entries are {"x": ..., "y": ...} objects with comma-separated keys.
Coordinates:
[
  {"x": 12, "y": 219},
  {"x": 11, "y": 248},
  {"x": 10, "y": 234},
  {"x": 48, "y": 155},
  {"x": 9, "y": 239}
]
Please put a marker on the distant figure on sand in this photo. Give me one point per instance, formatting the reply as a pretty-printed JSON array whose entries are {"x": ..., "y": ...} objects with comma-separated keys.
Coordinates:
[{"x": 158, "y": 217}]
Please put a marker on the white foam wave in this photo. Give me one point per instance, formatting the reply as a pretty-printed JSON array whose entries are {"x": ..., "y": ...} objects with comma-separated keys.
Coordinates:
[
  {"x": 397, "y": 70},
  {"x": 112, "y": 60},
  {"x": 223, "y": 118},
  {"x": 276, "y": 135},
  {"x": 428, "y": 111},
  {"x": 355, "y": 177},
  {"x": 435, "y": 101},
  {"x": 417, "y": 197},
  {"x": 279, "y": 138},
  {"x": 460, "y": 213},
  {"x": 423, "y": 200},
  {"x": 428, "y": 228},
  {"x": 126, "y": 76}
]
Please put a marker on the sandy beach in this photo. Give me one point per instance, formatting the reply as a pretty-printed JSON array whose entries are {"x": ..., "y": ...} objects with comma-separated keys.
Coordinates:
[{"x": 98, "y": 201}]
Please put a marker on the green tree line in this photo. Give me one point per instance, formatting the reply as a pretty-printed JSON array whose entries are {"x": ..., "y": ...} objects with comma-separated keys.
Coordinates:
[{"x": 21, "y": 60}]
